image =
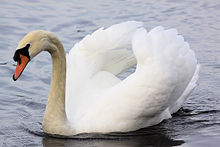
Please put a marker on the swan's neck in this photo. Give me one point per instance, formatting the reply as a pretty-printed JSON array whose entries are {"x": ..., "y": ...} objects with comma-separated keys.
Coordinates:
[{"x": 55, "y": 120}]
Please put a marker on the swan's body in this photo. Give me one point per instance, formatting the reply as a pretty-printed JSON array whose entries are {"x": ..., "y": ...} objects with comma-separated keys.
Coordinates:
[{"x": 98, "y": 101}]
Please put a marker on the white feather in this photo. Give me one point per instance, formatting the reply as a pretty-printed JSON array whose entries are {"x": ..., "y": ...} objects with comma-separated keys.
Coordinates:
[{"x": 98, "y": 101}]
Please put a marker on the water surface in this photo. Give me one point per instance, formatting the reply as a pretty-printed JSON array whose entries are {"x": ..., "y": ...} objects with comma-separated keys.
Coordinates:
[{"x": 22, "y": 103}]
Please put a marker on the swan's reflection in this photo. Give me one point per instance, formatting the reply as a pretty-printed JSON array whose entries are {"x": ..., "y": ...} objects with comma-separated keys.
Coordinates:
[{"x": 135, "y": 139}]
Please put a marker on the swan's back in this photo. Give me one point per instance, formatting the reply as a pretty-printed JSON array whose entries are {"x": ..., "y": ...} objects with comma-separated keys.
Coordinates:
[{"x": 98, "y": 101}]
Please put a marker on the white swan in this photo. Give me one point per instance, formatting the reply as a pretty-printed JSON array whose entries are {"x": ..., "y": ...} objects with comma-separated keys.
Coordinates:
[{"x": 87, "y": 96}]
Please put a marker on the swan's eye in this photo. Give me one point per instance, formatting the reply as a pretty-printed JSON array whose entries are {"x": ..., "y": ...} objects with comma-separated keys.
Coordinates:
[{"x": 22, "y": 51}]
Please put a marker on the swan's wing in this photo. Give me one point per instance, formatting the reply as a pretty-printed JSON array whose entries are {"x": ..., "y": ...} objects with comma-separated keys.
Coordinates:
[
  {"x": 103, "y": 53},
  {"x": 165, "y": 67},
  {"x": 175, "y": 106},
  {"x": 94, "y": 62},
  {"x": 105, "y": 49}
]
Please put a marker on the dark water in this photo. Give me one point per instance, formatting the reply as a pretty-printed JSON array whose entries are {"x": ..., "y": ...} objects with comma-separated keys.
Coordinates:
[{"x": 22, "y": 103}]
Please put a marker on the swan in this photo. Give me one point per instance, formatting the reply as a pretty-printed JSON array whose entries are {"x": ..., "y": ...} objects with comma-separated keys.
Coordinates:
[{"x": 86, "y": 95}]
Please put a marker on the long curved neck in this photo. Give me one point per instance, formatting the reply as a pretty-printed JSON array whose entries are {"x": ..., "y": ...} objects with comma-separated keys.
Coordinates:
[{"x": 55, "y": 121}]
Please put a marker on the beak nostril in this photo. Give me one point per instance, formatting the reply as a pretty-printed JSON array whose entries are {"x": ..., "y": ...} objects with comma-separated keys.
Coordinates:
[{"x": 19, "y": 61}]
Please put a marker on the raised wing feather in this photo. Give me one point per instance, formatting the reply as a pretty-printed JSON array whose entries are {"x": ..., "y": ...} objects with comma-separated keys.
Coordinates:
[{"x": 97, "y": 101}]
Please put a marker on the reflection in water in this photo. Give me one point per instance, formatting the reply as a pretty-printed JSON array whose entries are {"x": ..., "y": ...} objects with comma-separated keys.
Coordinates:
[
  {"x": 137, "y": 141},
  {"x": 159, "y": 135}
]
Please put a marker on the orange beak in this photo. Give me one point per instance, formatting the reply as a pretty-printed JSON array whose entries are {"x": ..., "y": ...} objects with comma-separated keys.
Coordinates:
[{"x": 20, "y": 66}]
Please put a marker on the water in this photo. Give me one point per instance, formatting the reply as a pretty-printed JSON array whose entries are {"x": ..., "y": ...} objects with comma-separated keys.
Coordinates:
[{"x": 22, "y": 103}]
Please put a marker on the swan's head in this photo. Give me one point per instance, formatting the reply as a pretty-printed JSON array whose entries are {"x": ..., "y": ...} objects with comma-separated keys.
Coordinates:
[{"x": 31, "y": 45}]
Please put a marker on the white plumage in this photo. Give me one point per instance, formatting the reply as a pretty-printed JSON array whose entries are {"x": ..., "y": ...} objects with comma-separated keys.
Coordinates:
[{"x": 98, "y": 101}]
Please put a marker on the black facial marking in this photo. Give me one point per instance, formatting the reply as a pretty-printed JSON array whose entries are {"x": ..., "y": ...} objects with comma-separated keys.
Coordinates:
[{"x": 23, "y": 51}]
